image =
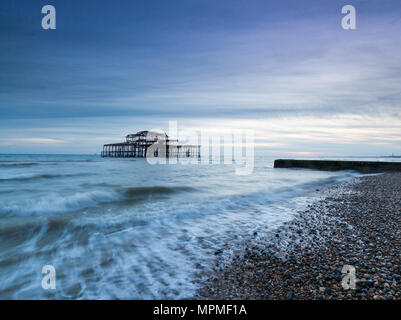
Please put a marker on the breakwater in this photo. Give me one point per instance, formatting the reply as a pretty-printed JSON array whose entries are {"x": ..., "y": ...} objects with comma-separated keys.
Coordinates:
[{"x": 334, "y": 165}]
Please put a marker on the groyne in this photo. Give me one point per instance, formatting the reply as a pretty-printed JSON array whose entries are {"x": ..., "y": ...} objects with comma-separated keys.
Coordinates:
[{"x": 337, "y": 165}]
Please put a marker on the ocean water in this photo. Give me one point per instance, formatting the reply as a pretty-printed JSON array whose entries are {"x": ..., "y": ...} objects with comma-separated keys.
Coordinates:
[{"x": 125, "y": 229}]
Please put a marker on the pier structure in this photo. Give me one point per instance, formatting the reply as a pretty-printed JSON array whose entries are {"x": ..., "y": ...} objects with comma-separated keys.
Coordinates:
[{"x": 150, "y": 144}]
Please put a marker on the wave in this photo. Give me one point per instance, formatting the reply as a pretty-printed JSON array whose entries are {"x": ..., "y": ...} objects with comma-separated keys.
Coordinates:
[
  {"x": 84, "y": 200},
  {"x": 59, "y": 203},
  {"x": 39, "y": 176},
  {"x": 305, "y": 187},
  {"x": 137, "y": 191},
  {"x": 66, "y": 161},
  {"x": 21, "y": 165}
]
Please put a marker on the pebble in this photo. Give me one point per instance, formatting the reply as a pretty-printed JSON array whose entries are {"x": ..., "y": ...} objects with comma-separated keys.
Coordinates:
[{"x": 356, "y": 224}]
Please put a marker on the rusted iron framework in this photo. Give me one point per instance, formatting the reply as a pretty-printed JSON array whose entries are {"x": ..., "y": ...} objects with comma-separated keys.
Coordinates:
[{"x": 150, "y": 144}]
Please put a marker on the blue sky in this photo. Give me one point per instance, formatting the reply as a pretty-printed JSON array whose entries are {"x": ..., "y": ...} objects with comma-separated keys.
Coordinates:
[{"x": 283, "y": 68}]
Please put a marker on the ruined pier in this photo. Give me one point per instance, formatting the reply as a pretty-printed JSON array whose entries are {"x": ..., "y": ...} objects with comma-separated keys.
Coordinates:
[{"x": 150, "y": 144}]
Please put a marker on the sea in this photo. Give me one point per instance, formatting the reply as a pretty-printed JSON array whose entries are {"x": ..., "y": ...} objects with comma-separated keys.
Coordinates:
[{"x": 126, "y": 229}]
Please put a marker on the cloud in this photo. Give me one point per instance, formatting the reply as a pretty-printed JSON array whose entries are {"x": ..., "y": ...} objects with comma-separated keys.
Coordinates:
[
  {"x": 38, "y": 140},
  {"x": 23, "y": 142},
  {"x": 286, "y": 69}
]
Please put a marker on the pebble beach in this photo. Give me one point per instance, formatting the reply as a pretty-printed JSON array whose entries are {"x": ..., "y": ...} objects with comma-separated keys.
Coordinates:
[{"x": 355, "y": 224}]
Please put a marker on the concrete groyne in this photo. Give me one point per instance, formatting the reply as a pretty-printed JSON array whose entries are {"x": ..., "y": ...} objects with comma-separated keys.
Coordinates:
[{"x": 334, "y": 165}]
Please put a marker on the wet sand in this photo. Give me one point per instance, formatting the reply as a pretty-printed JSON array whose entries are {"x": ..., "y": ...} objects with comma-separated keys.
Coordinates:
[{"x": 357, "y": 224}]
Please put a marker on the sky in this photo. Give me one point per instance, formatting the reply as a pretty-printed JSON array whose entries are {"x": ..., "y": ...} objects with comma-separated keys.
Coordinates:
[{"x": 283, "y": 68}]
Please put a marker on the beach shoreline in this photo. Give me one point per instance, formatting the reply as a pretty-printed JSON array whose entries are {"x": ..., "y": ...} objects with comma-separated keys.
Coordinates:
[{"x": 355, "y": 224}]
